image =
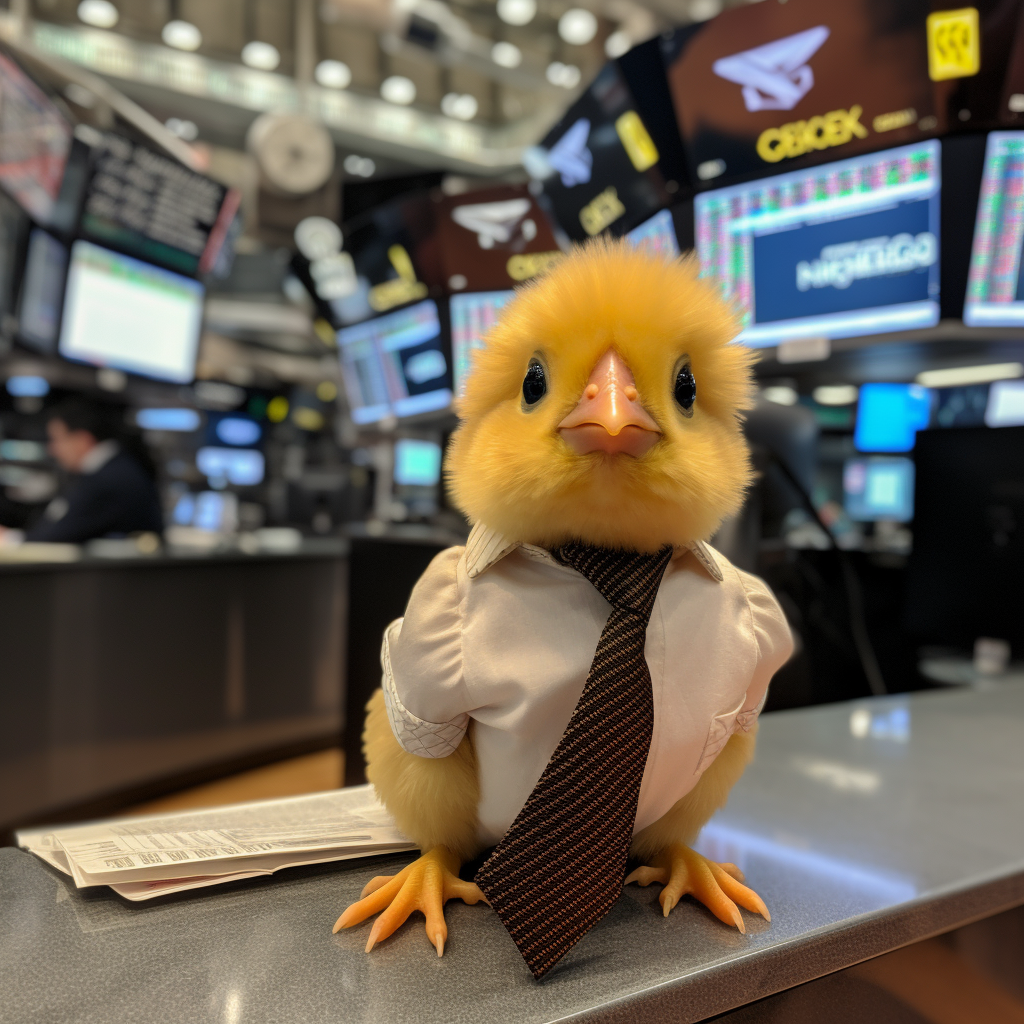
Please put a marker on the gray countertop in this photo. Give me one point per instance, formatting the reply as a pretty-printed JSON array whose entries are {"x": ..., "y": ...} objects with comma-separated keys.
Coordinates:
[{"x": 864, "y": 826}]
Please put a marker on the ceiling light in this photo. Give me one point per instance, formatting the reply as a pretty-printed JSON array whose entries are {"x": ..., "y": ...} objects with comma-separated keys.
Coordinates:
[
  {"x": 98, "y": 13},
  {"x": 780, "y": 394},
  {"x": 517, "y": 12},
  {"x": 506, "y": 55},
  {"x": 835, "y": 394},
  {"x": 398, "y": 89},
  {"x": 701, "y": 10},
  {"x": 182, "y": 35},
  {"x": 317, "y": 237},
  {"x": 462, "y": 106},
  {"x": 333, "y": 74},
  {"x": 617, "y": 44},
  {"x": 187, "y": 130},
  {"x": 969, "y": 375},
  {"x": 565, "y": 75},
  {"x": 577, "y": 26},
  {"x": 360, "y": 166},
  {"x": 259, "y": 55}
]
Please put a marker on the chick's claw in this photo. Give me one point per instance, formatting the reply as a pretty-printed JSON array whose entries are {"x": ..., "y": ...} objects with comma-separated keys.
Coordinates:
[
  {"x": 719, "y": 887},
  {"x": 424, "y": 885}
]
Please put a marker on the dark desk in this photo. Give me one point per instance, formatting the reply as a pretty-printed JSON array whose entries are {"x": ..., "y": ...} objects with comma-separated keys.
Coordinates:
[
  {"x": 864, "y": 826},
  {"x": 122, "y": 676}
]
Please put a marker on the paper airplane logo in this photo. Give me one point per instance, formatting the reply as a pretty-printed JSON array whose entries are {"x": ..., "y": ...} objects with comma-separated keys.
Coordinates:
[
  {"x": 775, "y": 76},
  {"x": 570, "y": 156},
  {"x": 492, "y": 222}
]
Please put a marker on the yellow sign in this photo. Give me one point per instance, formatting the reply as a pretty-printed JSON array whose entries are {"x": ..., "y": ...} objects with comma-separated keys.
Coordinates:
[
  {"x": 399, "y": 290},
  {"x": 896, "y": 119},
  {"x": 601, "y": 211},
  {"x": 954, "y": 47},
  {"x": 799, "y": 137},
  {"x": 638, "y": 144},
  {"x": 530, "y": 264}
]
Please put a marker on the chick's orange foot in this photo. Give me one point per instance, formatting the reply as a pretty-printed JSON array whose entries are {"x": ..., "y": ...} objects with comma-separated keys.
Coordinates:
[
  {"x": 718, "y": 886},
  {"x": 424, "y": 885}
]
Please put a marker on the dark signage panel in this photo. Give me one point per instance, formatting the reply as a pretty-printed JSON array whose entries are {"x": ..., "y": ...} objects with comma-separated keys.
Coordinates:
[
  {"x": 773, "y": 86},
  {"x": 599, "y": 166},
  {"x": 493, "y": 239}
]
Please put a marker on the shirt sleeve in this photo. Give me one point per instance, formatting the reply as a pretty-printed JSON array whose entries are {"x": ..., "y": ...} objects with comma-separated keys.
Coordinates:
[
  {"x": 774, "y": 645},
  {"x": 423, "y": 682}
]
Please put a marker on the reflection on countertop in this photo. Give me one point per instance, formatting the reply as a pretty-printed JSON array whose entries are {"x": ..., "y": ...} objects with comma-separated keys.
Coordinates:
[{"x": 850, "y": 869}]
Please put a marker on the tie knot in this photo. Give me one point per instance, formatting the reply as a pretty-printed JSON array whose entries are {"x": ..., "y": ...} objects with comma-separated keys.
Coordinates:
[{"x": 625, "y": 579}]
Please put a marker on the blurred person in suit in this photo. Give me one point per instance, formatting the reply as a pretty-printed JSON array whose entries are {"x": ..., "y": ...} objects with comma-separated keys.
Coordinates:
[{"x": 113, "y": 492}]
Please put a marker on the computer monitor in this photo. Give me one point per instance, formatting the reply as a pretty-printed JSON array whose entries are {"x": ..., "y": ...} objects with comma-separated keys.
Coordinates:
[
  {"x": 395, "y": 364},
  {"x": 1005, "y": 406},
  {"x": 995, "y": 283},
  {"x": 243, "y": 467},
  {"x": 879, "y": 488},
  {"x": 417, "y": 463},
  {"x": 472, "y": 315},
  {"x": 890, "y": 415},
  {"x": 130, "y": 315},
  {"x": 841, "y": 250},
  {"x": 967, "y": 563},
  {"x": 42, "y": 291},
  {"x": 658, "y": 234}
]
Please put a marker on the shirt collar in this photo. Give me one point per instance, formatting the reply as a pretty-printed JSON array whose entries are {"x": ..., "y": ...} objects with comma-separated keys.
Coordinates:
[
  {"x": 96, "y": 458},
  {"x": 485, "y": 547}
]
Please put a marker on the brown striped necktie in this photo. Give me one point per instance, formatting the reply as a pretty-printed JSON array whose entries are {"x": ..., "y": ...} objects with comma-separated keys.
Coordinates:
[{"x": 559, "y": 868}]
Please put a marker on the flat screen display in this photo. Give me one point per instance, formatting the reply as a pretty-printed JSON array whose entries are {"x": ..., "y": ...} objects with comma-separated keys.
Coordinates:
[
  {"x": 472, "y": 317},
  {"x": 879, "y": 488},
  {"x": 890, "y": 415},
  {"x": 841, "y": 250},
  {"x": 658, "y": 234},
  {"x": 995, "y": 287},
  {"x": 1005, "y": 406},
  {"x": 123, "y": 313},
  {"x": 34, "y": 143},
  {"x": 42, "y": 291},
  {"x": 417, "y": 463},
  {"x": 395, "y": 364}
]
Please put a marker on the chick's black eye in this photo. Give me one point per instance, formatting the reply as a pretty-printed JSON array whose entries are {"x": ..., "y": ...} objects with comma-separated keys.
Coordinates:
[
  {"x": 686, "y": 389},
  {"x": 535, "y": 384}
]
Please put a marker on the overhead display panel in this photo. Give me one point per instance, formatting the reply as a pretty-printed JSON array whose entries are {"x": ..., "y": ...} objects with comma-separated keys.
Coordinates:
[
  {"x": 152, "y": 207},
  {"x": 599, "y": 166},
  {"x": 472, "y": 316},
  {"x": 34, "y": 143},
  {"x": 767, "y": 86},
  {"x": 493, "y": 239},
  {"x": 995, "y": 285},
  {"x": 842, "y": 250}
]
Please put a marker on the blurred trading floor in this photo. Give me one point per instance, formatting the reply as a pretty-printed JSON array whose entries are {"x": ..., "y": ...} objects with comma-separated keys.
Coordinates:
[{"x": 310, "y": 773}]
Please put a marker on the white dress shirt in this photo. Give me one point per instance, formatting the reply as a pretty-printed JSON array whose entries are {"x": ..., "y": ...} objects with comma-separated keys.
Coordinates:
[{"x": 500, "y": 637}]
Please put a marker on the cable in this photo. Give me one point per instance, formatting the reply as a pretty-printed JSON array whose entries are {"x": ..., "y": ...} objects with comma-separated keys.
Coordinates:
[{"x": 854, "y": 593}]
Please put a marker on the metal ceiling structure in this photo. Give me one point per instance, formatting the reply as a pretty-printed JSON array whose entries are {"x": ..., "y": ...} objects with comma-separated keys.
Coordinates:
[{"x": 445, "y": 49}]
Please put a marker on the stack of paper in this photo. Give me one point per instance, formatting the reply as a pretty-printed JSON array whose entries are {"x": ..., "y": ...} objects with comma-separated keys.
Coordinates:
[{"x": 145, "y": 857}]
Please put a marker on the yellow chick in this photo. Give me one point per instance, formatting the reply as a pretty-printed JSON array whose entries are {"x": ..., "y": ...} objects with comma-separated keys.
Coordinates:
[{"x": 605, "y": 410}]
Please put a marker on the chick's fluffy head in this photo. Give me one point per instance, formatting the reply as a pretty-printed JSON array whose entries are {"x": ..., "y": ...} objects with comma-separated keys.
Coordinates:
[{"x": 509, "y": 468}]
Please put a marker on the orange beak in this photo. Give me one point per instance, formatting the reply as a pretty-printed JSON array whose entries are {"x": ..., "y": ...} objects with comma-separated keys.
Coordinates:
[{"x": 609, "y": 417}]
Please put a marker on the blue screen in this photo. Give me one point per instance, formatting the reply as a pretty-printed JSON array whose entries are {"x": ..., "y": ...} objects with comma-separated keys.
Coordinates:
[
  {"x": 879, "y": 488},
  {"x": 890, "y": 415}
]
